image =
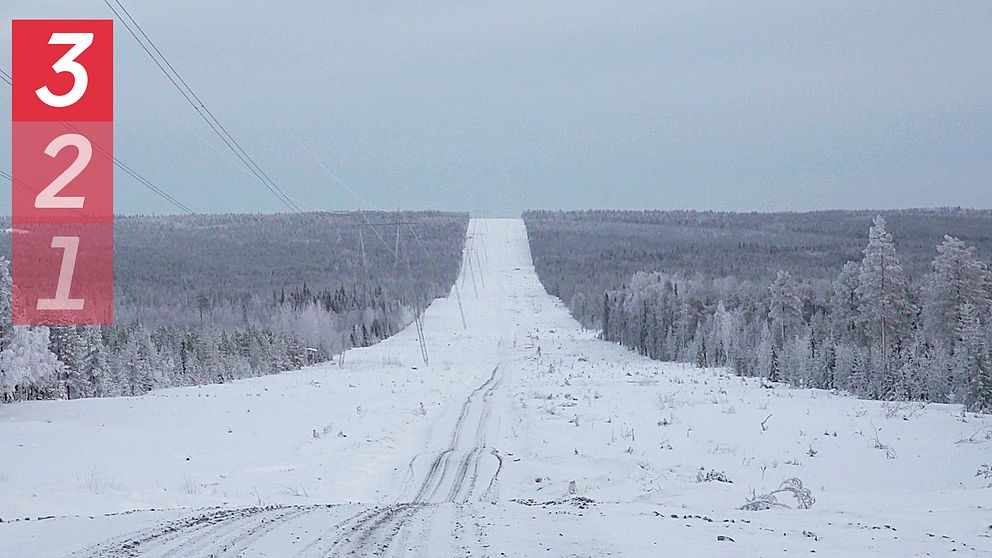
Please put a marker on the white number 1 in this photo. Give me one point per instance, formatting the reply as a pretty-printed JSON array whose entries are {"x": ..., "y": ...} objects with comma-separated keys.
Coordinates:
[
  {"x": 70, "y": 247},
  {"x": 80, "y": 42}
]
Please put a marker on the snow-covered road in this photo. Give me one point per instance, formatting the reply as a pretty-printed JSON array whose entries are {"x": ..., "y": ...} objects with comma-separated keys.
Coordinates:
[{"x": 524, "y": 436}]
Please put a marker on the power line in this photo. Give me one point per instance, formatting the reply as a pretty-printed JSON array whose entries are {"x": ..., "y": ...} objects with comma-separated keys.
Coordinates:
[
  {"x": 418, "y": 318},
  {"x": 362, "y": 213},
  {"x": 117, "y": 162},
  {"x": 35, "y": 191},
  {"x": 188, "y": 93},
  {"x": 362, "y": 201},
  {"x": 135, "y": 175},
  {"x": 198, "y": 105}
]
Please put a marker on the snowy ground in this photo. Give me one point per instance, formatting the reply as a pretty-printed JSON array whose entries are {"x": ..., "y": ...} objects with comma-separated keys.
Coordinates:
[{"x": 524, "y": 436}]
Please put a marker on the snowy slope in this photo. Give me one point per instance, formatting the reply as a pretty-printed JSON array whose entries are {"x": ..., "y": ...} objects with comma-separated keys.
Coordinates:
[{"x": 524, "y": 436}]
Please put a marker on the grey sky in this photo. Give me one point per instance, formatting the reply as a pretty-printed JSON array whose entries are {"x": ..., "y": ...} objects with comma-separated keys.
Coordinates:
[{"x": 501, "y": 106}]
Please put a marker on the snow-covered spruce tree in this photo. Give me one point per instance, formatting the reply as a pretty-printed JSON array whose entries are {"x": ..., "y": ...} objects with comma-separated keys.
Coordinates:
[
  {"x": 137, "y": 363},
  {"x": 957, "y": 278},
  {"x": 844, "y": 304},
  {"x": 685, "y": 320},
  {"x": 8, "y": 381},
  {"x": 910, "y": 380},
  {"x": 96, "y": 368},
  {"x": 208, "y": 354},
  {"x": 67, "y": 344},
  {"x": 884, "y": 308},
  {"x": 824, "y": 369},
  {"x": 785, "y": 308},
  {"x": 764, "y": 352},
  {"x": 796, "y": 359},
  {"x": 980, "y": 394},
  {"x": 975, "y": 375},
  {"x": 6, "y": 301},
  {"x": 605, "y": 331},
  {"x": 723, "y": 332},
  {"x": 28, "y": 369}
]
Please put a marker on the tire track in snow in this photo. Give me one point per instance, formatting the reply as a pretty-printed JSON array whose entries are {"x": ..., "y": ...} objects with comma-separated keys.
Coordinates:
[
  {"x": 452, "y": 477},
  {"x": 190, "y": 529},
  {"x": 478, "y": 405},
  {"x": 373, "y": 535}
]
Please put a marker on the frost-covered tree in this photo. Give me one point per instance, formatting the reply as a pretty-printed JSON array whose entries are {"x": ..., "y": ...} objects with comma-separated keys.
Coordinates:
[
  {"x": 68, "y": 345},
  {"x": 236, "y": 313},
  {"x": 856, "y": 328},
  {"x": 957, "y": 279},
  {"x": 785, "y": 307},
  {"x": 884, "y": 306},
  {"x": 796, "y": 360},
  {"x": 910, "y": 380},
  {"x": 96, "y": 366},
  {"x": 975, "y": 371},
  {"x": 844, "y": 304},
  {"x": 6, "y": 292},
  {"x": 27, "y": 366},
  {"x": 138, "y": 363},
  {"x": 980, "y": 392}
]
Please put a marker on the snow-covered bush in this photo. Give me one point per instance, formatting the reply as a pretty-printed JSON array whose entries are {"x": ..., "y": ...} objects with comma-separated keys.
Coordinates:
[
  {"x": 711, "y": 475},
  {"x": 804, "y": 498},
  {"x": 985, "y": 471}
]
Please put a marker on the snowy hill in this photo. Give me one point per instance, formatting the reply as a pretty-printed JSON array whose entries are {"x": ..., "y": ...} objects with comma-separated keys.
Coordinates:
[{"x": 523, "y": 436}]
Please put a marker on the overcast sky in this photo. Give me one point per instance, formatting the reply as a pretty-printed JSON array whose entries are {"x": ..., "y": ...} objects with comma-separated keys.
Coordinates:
[{"x": 495, "y": 107}]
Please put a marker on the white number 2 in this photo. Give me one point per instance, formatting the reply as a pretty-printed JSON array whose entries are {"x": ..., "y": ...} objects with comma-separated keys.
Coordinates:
[
  {"x": 70, "y": 247},
  {"x": 48, "y": 198},
  {"x": 80, "y": 42}
]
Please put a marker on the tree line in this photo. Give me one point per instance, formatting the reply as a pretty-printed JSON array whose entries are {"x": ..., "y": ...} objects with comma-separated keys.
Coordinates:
[
  {"x": 873, "y": 329},
  {"x": 209, "y": 299}
]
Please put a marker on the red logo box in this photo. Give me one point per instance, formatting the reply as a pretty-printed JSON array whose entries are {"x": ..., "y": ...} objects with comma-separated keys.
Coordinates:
[
  {"x": 62, "y": 211},
  {"x": 41, "y": 63}
]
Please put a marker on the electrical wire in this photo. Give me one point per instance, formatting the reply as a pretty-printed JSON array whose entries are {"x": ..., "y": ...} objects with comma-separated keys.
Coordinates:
[
  {"x": 188, "y": 93},
  {"x": 117, "y": 162}
]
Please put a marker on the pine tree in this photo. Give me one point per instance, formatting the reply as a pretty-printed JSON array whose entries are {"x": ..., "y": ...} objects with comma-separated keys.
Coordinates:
[
  {"x": 785, "y": 308},
  {"x": 884, "y": 307}
]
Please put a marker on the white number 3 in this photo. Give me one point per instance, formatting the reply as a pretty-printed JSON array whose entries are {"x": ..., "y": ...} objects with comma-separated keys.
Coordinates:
[{"x": 80, "y": 42}]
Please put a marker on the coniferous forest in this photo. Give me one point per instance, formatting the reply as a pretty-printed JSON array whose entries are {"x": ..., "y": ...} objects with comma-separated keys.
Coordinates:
[
  {"x": 212, "y": 298},
  {"x": 893, "y": 305}
]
